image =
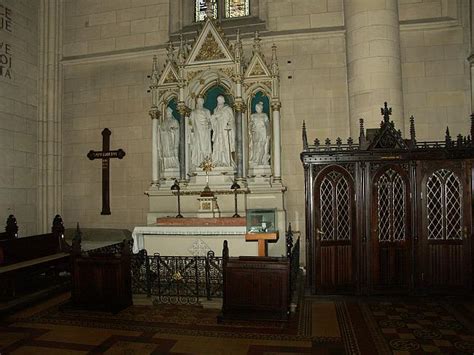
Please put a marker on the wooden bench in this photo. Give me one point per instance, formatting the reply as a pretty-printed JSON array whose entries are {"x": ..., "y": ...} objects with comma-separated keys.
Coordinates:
[{"x": 24, "y": 261}]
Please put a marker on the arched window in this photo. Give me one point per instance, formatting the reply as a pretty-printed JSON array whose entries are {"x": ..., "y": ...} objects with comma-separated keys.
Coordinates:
[{"x": 222, "y": 9}]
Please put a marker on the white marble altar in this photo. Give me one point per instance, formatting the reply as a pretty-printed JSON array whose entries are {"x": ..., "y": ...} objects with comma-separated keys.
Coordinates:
[{"x": 181, "y": 240}]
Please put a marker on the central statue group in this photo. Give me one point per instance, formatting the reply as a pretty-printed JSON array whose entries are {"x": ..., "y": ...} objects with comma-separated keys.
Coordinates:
[
  {"x": 213, "y": 136},
  {"x": 222, "y": 124}
]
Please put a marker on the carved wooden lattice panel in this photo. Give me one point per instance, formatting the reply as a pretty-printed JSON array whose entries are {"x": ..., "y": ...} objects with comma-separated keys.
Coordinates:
[
  {"x": 335, "y": 207},
  {"x": 391, "y": 206},
  {"x": 444, "y": 206}
]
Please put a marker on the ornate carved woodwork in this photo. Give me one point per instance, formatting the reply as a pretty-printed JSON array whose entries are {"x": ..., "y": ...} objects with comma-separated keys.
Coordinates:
[{"x": 389, "y": 214}]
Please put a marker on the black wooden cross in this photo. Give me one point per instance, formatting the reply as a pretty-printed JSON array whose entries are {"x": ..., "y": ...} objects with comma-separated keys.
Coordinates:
[{"x": 105, "y": 155}]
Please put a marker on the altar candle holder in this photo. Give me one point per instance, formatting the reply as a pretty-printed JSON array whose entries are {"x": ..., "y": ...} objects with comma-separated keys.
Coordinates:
[
  {"x": 235, "y": 186},
  {"x": 176, "y": 188}
]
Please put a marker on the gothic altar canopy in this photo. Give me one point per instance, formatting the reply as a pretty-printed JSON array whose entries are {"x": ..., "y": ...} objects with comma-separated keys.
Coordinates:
[{"x": 213, "y": 107}]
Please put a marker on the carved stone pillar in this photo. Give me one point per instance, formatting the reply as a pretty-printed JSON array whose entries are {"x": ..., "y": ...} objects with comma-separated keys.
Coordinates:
[
  {"x": 49, "y": 113},
  {"x": 155, "y": 172},
  {"x": 276, "y": 141},
  {"x": 239, "y": 156},
  {"x": 183, "y": 112},
  {"x": 373, "y": 61}
]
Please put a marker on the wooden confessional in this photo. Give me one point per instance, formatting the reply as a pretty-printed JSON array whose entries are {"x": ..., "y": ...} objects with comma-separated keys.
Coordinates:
[{"x": 389, "y": 214}]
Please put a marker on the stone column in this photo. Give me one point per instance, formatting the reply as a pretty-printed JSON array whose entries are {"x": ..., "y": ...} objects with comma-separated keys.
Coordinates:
[
  {"x": 49, "y": 113},
  {"x": 276, "y": 141},
  {"x": 239, "y": 156},
  {"x": 373, "y": 61},
  {"x": 155, "y": 173},
  {"x": 183, "y": 112}
]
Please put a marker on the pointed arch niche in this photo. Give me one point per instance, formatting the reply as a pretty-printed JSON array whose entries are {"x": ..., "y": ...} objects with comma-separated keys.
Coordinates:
[{"x": 213, "y": 67}]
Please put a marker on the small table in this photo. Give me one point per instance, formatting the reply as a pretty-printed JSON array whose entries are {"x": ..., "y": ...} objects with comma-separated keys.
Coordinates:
[{"x": 261, "y": 238}]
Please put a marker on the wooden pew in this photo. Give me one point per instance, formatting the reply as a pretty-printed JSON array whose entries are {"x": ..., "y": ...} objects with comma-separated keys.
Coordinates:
[{"x": 24, "y": 260}]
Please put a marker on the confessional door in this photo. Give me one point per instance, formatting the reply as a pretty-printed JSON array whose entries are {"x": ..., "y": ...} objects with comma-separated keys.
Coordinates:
[
  {"x": 391, "y": 242},
  {"x": 334, "y": 264},
  {"x": 445, "y": 261}
]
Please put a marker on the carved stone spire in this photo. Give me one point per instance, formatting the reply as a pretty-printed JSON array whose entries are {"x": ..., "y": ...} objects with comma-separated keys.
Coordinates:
[
  {"x": 256, "y": 43},
  {"x": 238, "y": 51},
  {"x": 305, "y": 137},
  {"x": 170, "y": 51},
  {"x": 210, "y": 9},
  {"x": 275, "y": 69},
  {"x": 181, "y": 50},
  {"x": 386, "y": 112},
  {"x": 155, "y": 73}
]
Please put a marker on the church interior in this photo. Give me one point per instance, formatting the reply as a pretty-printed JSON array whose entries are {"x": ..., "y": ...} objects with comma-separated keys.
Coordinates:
[{"x": 236, "y": 176}]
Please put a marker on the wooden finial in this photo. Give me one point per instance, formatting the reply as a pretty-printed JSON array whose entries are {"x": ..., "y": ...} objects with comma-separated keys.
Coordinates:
[
  {"x": 472, "y": 125},
  {"x": 289, "y": 241},
  {"x": 76, "y": 241},
  {"x": 386, "y": 112},
  {"x": 412, "y": 129},
  {"x": 305, "y": 137},
  {"x": 361, "y": 132},
  {"x": 58, "y": 226},
  {"x": 448, "y": 137},
  {"x": 225, "y": 251},
  {"x": 11, "y": 228}
]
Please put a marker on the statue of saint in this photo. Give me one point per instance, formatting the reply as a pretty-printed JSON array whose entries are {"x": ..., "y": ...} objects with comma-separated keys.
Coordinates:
[
  {"x": 200, "y": 133},
  {"x": 259, "y": 137},
  {"x": 169, "y": 140},
  {"x": 223, "y": 136}
]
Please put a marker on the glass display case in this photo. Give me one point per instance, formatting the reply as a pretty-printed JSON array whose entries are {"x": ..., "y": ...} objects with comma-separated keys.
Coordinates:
[{"x": 261, "y": 221}]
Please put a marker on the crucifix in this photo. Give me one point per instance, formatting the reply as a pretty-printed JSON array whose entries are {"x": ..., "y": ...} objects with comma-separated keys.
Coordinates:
[{"x": 105, "y": 154}]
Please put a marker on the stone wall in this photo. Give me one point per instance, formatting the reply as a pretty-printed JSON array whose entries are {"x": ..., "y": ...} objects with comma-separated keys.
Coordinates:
[
  {"x": 436, "y": 73},
  {"x": 93, "y": 26},
  {"x": 18, "y": 113}
]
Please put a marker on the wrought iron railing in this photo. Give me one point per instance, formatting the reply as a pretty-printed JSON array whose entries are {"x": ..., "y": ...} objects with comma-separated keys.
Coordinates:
[{"x": 177, "y": 279}]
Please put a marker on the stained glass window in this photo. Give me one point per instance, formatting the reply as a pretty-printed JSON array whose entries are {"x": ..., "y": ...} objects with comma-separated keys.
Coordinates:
[
  {"x": 236, "y": 8},
  {"x": 201, "y": 8}
]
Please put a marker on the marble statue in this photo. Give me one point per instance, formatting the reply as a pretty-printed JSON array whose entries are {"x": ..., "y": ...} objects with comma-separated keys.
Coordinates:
[
  {"x": 169, "y": 140},
  {"x": 200, "y": 133},
  {"x": 223, "y": 136},
  {"x": 259, "y": 142}
]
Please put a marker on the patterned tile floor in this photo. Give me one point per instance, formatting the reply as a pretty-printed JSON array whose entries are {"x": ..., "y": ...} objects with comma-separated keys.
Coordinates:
[{"x": 324, "y": 325}]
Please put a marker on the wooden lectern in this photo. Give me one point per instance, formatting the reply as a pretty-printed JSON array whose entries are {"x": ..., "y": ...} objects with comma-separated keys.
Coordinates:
[{"x": 262, "y": 240}]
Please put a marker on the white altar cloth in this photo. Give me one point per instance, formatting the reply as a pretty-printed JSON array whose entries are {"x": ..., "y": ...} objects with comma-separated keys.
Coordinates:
[{"x": 184, "y": 240}]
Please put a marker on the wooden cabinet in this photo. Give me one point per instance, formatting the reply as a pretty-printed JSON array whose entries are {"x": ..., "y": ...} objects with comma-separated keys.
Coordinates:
[
  {"x": 102, "y": 282},
  {"x": 256, "y": 288}
]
